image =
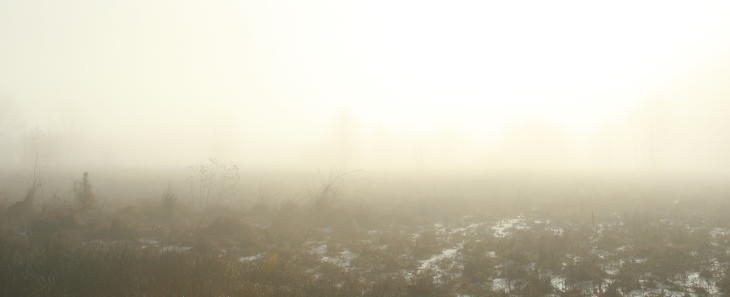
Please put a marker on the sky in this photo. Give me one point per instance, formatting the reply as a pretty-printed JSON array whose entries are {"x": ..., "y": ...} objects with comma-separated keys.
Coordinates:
[{"x": 578, "y": 86}]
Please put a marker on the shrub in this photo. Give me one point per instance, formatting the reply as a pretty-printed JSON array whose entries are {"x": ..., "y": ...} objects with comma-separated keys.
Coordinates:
[{"x": 85, "y": 198}]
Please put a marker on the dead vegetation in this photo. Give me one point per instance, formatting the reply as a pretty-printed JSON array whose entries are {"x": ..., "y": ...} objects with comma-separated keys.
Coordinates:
[{"x": 329, "y": 245}]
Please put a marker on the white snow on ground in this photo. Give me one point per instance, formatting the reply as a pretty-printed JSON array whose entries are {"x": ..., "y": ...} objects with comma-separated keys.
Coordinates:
[
  {"x": 443, "y": 262},
  {"x": 466, "y": 230},
  {"x": 176, "y": 249},
  {"x": 251, "y": 258},
  {"x": 716, "y": 266},
  {"x": 557, "y": 230},
  {"x": 655, "y": 292},
  {"x": 319, "y": 249},
  {"x": 439, "y": 228},
  {"x": 558, "y": 283},
  {"x": 693, "y": 279},
  {"x": 504, "y": 228},
  {"x": 499, "y": 284},
  {"x": 719, "y": 232},
  {"x": 343, "y": 260},
  {"x": 612, "y": 270},
  {"x": 432, "y": 262},
  {"x": 151, "y": 242},
  {"x": 634, "y": 260}
]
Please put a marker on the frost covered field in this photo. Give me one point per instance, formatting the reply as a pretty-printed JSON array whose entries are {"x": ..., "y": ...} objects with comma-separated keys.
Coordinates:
[
  {"x": 423, "y": 240},
  {"x": 536, "y": 257}
]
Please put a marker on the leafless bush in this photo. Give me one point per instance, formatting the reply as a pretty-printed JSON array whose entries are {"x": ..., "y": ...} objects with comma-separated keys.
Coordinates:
[
  {"x": 169, "y": 201},
  {"x": 328, "y": 191},
  {"x": 212, "y": 180},
  {"x": 84, "y": 194}
]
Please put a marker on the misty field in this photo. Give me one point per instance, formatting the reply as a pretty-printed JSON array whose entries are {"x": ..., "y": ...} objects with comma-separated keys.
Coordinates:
[
  {"x": 379, "y": 148},
  {"x": 426, "y": 238}
]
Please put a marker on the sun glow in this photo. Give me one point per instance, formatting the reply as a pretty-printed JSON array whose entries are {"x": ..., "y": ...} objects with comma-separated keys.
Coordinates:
[
  {"x": 447, "y": 82},
  {"x": 480, "y": 65}
]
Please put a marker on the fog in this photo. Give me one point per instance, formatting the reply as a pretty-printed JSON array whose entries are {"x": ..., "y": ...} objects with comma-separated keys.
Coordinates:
[
  {"x": 620, "y": 88},
  {"x": 329, "y": 148}
]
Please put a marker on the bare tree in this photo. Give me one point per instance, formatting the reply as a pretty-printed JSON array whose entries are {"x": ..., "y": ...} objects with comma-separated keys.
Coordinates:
[
  {"x": 85, "y": 198},
  {"x": 212, "y": 180}
]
